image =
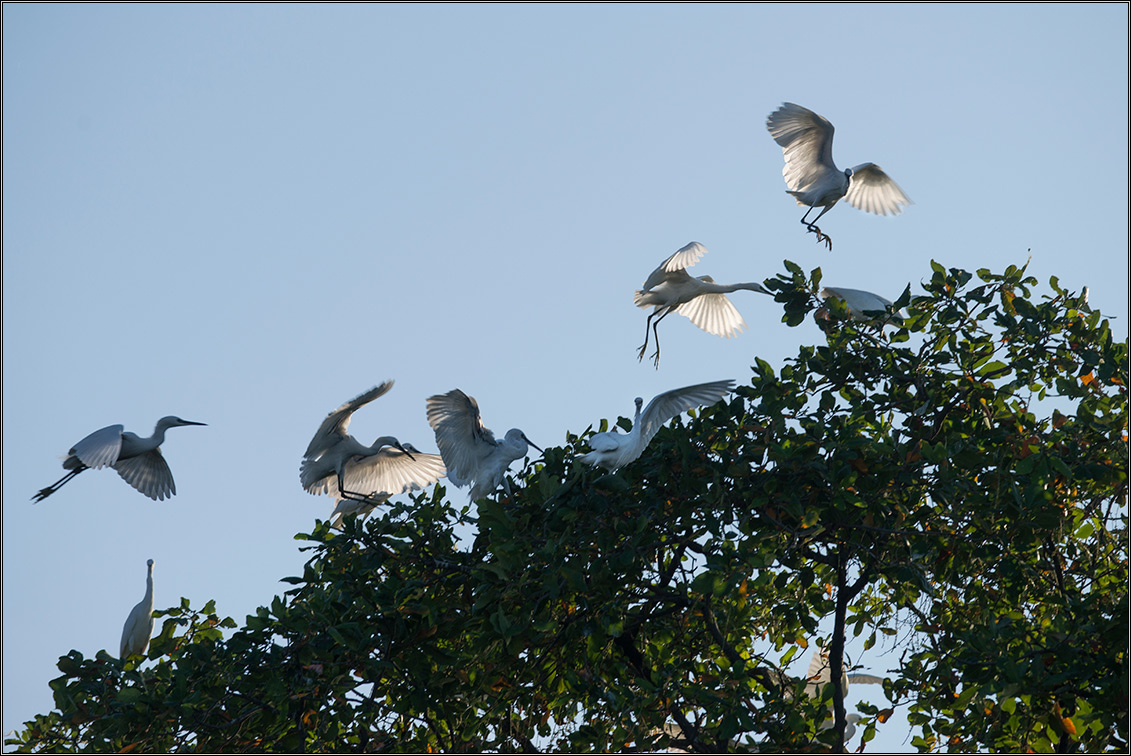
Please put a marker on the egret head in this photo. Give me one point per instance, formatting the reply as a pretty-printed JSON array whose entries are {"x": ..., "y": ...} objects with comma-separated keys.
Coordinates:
[
  {"x": 848, "y": 173},
  {"x": 639, "y": 402},
  {"x": 514, "y": 435},
  {"x": 172, "y": 421},
  {"x": 149, "y": 563}
]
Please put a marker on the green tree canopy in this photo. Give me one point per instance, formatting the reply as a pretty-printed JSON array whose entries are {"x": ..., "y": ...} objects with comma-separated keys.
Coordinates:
[{"x": 954, "y": 484}]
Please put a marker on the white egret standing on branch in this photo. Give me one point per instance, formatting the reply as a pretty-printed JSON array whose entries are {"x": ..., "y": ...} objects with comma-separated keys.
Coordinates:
[
  {"x": 470, "y": 450},
  {"x": 671, "y": 288},
  {"x": 338, "y": 464},
  {"x": 138, "y": 460},
  {"x": 613, "y": 450},
  {"x": 139, "y": 625},
  {"x": 814, "y": 180}
]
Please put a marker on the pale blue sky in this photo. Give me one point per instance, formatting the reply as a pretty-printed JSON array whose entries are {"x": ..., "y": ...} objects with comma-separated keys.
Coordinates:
[{"x": 245, "y": 215}]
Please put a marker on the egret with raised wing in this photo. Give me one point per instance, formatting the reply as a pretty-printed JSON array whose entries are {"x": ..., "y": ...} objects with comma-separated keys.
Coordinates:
[
  {"x": 814, "y": 180},
  {"x": 387, "y": 473},
  {"x": 338, "y": 464},
  {"x": 613, "y": 450},
  {"x": 671, "y": 288},
  {"x": 138, "y": 460},
  {"x": 139, "y": 625},
  {"x": 472, "y": 454},
  {"x": 820, "y": 674}
]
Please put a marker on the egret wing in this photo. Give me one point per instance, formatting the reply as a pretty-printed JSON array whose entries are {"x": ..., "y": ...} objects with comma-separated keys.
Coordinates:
[
  {"x": 873, "y": 191},
  {"x": 806, "y": 140},
  {"x": 337, "y": 423},
  {"x": 667, "y": 405},
  {"x": 714, "y": 313},
  {"x": 392, "y": 472},
  {"x": 465, "y": 443},
  {"x": 149, "y": 474},
  {"x": 859, "y": 677},
  {"x": 100, "y": 448},
  {"x": 605, "y": 442}
]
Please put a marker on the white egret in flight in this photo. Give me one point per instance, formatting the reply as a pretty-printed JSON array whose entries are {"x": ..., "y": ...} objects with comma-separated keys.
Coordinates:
[
  {"x": 613, "y": 450},
  {"x": 471, "y": 452},
  {"x": 387, "y": 473},
  {"x": 862, "y": 305},
  {"x": 139, "y": 625},
  {"x": 814, "y": 180},
  {"x": 671, "y": 288},
  {"x": 138, "y": 460},
  {"x": 338, "y": 464}
]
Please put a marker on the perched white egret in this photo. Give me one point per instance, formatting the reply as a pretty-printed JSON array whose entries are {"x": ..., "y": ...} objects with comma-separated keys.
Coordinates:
[
  {"x": 387, "y": 473},
  {"x": 862, "y": 305},
  {"x": 338, "y": 464},
  {"x": 671, "y": 289},
  {"x": 471, "y": 452},
  {"x": 613, "y": 450},
  {"x": 138, "y": 460},
  {"x": 139, "y": 625},
  {"x": 820, "y": 674},
  {"x": 814, "y": 180}
]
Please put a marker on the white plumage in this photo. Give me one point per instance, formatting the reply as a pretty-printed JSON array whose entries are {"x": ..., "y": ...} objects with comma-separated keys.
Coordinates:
[
  {"x": 339, "y": 465},
  {"x": 670, "y": 288},
  {"x": 139, "y": 625},
  {"x": 471, "y": 452},
  {"x": 137, "y": 460},
  {"x": 814, "y": 180},
  {"x": 613, "y": 450},
  {"x": 862, "y": 305}
]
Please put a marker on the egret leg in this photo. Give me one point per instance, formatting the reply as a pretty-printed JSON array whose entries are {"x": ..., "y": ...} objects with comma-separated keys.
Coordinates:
[
  {"x": 656, "y": 333},
  {"x": 351, "y": 495},
  {"x": 643, "y": 349},
  {"x": 45, "y": 492},
  {"x": 812, "y": 227}
]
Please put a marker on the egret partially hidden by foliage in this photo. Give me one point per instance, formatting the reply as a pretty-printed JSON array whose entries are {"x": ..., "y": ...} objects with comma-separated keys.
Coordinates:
[
  {"x": 814, "y": 180},
  {"x": 338, "y": 464},
  {"x": 820, "y": 674},
  {"x": 138, "y": 460},
  {"x": 471, "y": 452},
  {"x": 671, "y": 288},
  {"x": 388, "y": 473},
  {"x": 862, "y": 305},
  {"x": 613, "y": 450},
  {"x": 139, "y": 625}
]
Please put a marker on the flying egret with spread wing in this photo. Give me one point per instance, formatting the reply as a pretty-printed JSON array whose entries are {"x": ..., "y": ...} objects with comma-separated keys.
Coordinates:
[
  {"x": 471, "y": 452},
  {"x": 613, "y": 450},
  {"x": 338, "y": 464},
  {"x": 670, "y": 288},
  {"x": 138, "y": 460},
  {"x": 139, "y": 625},
  {"x": 814, "y": 180}
]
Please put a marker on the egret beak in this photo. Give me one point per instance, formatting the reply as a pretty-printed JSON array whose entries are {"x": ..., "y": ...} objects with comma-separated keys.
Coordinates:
[
  {"x": 536, "y": 446},
  {"x": 192, "y": 422},
  {"x": 406, "y": 451}
]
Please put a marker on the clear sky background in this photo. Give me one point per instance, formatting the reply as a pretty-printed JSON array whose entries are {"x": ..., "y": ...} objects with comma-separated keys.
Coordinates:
[{"x": 246, "y": 215}]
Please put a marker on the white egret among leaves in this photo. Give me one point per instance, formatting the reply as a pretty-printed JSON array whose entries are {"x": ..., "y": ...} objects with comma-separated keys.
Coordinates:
[
  {"x": 613, "y": 450},
  {"x": 820, "y": 674},
  {"x": 138, "y": 460},
  {"x": 814, "y": 180},
  {"x": 139, "y": 625},
  {"x": 862, "y": 305},
  {"x": 671, "y": 288},
  {"x": 338, "y": 464},
  {"x": 470, "y": 450}
]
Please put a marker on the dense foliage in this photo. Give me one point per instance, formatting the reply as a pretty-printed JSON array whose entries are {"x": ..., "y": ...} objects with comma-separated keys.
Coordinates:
[{"x": 954, "y": 484}]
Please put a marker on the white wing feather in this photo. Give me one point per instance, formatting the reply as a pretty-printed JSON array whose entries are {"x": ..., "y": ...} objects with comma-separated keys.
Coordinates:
[
  {"x": 337, "y": 423},
  {"x": 465, "y": 443},
  {"x": 100, "y": 448},
  {"x": 806, "y": 140},
  {"x": 714, "y": 313},
  {"x": 873, "y": 191},
  {"x": 149, "y": 474},
  {"x": 671, "y": 403}
]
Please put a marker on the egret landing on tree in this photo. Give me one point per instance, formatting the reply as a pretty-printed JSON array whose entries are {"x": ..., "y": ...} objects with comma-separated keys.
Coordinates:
[{"x": 814, "y": 180}]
